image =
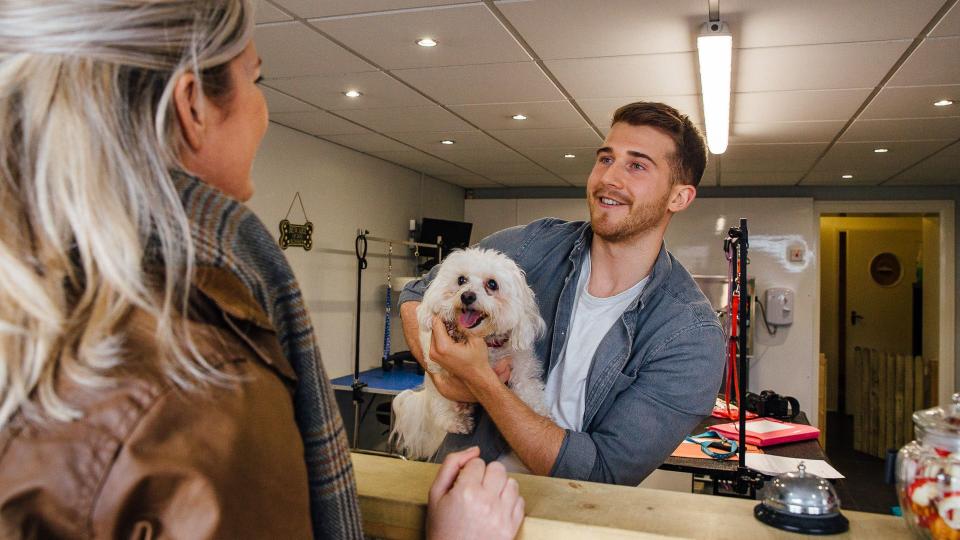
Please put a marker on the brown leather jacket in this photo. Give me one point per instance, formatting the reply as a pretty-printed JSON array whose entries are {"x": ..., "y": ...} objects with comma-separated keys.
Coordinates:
[{"x": 148, "y": 460}]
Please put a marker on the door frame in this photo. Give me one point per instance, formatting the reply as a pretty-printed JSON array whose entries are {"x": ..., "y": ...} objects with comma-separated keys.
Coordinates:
[{"x": 945, "y": 210}]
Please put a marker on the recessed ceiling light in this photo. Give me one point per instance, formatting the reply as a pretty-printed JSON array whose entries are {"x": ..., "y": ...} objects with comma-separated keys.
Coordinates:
[
  {"x": 569, "y": 156},
  {"x": 943, "y": 103},
  {"x": 447, "y": 141},
  {"x": 847, "y": 176},
  {"x": 519, "y": 117},
  {"x": 352, "y": 94},
  {"x": 426, "y": 42},
  {"x": 881, "y": 150}
]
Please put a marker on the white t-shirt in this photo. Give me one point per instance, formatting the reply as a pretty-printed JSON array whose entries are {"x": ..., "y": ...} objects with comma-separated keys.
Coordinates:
[{"x": 592, "y": 318}]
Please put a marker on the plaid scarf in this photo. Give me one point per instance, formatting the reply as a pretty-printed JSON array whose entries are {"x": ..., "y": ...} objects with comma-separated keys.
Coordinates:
[{"x": 227, "y": 235}]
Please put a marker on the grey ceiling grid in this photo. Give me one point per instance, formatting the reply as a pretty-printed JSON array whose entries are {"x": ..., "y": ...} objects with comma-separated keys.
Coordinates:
[{"x": 816, "y": 88}]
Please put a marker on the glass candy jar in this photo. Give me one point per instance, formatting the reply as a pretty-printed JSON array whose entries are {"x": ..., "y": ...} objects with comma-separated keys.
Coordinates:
[{"x": 928, "y": 474}]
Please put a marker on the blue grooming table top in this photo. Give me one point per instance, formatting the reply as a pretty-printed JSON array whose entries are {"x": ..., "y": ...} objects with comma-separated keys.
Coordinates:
[{"x": 379, "y": 382}]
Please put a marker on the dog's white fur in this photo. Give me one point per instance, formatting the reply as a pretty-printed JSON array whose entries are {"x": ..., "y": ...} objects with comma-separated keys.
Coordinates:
[{"x": 511, "y": 316}]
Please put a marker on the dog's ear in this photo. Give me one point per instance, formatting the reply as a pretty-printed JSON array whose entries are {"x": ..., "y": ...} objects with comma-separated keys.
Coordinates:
[{"x": 531, "y": 325}]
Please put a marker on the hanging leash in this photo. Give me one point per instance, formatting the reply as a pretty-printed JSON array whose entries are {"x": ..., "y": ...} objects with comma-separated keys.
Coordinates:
[{"x": 385, "y": 362}]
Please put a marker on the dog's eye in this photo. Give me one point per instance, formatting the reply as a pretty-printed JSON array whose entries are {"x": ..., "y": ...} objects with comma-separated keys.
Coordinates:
[
  {"x": 492, "y": 285},
  {"x": 461, "y": 280}
]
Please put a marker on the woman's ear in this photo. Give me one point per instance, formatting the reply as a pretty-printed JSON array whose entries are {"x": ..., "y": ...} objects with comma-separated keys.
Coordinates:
[{"x": 188, "y": 104}]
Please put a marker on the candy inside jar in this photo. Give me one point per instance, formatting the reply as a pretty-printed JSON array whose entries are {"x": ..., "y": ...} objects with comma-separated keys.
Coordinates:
[{"x": 928, "y": 474}]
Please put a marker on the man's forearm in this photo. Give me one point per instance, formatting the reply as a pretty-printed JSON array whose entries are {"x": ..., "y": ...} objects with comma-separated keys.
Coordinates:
[
  {"x": 411, "y": 329},
  {"x": 535, "y": 439}
]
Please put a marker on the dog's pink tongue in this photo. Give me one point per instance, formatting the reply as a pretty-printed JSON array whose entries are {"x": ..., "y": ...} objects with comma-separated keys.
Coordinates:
[{"x": 469, "y": 318}]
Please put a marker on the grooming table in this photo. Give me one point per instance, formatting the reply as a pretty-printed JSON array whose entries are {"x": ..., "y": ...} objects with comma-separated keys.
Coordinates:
[{"x": 377, "y": 381}]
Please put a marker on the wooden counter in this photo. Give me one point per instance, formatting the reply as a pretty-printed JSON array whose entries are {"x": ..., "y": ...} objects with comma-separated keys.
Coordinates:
[{"x": 393, "y": 500}]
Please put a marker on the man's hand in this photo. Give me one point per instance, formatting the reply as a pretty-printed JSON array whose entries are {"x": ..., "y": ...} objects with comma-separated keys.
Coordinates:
[
  {"x": 467, "y": 361},
  {"x": 453, "y": 388},
  {"x": 471, "y": 500}
]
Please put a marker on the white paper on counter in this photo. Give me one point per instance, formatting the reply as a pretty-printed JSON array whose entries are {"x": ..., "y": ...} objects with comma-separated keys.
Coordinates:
[{"x": 777, "y": 465}]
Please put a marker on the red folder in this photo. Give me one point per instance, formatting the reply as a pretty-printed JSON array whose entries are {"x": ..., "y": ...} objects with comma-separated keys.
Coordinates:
[{"x": 768, "y": 432}]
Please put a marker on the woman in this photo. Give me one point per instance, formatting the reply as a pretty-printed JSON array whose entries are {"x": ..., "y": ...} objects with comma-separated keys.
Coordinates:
[{"x": 158, "y": 372}]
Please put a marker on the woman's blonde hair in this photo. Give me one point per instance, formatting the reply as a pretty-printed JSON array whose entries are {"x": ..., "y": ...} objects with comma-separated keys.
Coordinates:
[{"x": 88, "y": 139}]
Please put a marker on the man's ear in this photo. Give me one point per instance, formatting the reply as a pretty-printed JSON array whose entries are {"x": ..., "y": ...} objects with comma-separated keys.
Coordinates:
[
  {"x": 187, "y": 102},
  {"x": 683, "y": 195}
]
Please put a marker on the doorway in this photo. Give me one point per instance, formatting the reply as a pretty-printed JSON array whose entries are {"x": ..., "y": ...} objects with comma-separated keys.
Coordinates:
[{"x": 880, "y": 305}]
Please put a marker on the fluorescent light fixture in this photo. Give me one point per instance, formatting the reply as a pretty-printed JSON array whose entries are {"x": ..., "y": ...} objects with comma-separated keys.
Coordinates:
[
  {"x": 715, "y": 49},
  {"x": 569, "y": 156},
  {"x": 881, "y": 150},
  {"x": 426, "y": 42},
  {"x": 943, "y": 103},
  {"x": 352, "y": 94},
  {"x": 846, "y": 176},
  {"x": 519, "y": 117},
  {"x": 448, "y": 141}
]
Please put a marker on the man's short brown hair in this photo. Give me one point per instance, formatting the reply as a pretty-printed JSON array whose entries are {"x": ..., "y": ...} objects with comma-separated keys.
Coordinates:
[{"x": 690, "y": 156}]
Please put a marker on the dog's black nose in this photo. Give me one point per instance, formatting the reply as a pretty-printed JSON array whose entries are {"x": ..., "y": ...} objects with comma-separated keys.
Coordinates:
[{"x": 468, "y": 298}]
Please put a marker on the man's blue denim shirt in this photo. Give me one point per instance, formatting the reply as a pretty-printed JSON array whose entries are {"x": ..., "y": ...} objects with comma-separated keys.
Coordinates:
[{"x": 653, "y": 378}]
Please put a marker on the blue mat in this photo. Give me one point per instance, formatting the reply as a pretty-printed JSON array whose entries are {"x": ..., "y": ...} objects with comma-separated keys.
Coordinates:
[{"x": 378, "y": 381}]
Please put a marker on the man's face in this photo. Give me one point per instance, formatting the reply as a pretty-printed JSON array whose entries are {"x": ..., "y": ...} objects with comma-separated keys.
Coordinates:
[{"x": 630, "y": 186}]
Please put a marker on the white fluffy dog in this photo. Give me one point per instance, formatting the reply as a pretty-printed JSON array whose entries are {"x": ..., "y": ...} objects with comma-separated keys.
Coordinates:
[{"x": 478, "y": 292}]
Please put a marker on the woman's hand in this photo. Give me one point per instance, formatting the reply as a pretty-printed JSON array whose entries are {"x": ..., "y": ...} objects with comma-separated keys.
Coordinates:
[{"x": 472, "y": 500}]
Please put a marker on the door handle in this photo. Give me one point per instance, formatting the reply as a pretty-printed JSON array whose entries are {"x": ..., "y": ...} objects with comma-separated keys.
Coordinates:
[{"x": 854, "y": 317}]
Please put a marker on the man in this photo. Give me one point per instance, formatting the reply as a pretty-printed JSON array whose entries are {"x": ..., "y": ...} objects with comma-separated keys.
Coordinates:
[{"x": 633, "y": 350}]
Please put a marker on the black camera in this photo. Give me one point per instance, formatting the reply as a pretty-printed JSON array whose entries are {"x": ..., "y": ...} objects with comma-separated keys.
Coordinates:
[{"x": 771, "y": 404}]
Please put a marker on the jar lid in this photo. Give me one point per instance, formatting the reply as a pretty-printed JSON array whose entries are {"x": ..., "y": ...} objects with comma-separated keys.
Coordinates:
[
  {"x": 801, "y": 494},
  {"x": 941, "y": 422}
]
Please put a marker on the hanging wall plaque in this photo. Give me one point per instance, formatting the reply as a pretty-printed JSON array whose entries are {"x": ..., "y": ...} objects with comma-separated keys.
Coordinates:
[{"x": 293, "y": 234}]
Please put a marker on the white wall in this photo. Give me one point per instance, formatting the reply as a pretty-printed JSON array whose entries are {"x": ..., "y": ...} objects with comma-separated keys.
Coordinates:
[
  {"x": 342, "y": 191},
  {"x": 787, "y": 362}
]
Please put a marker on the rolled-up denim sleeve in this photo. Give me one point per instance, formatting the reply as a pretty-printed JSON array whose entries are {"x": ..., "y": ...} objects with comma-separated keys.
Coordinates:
[{"x": 652, "y": 412}]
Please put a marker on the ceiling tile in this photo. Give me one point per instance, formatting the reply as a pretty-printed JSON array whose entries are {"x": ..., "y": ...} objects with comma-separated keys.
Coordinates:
[
  {"x": 379, "y": 90},
  {"x": 941, "y": 168},
  {"x": 711, "y": 173},
  {"x": 316, "y": 123},
  {"x": 489, "y": 83},
  {"x": 949, "y": 25},
  {"x": 398, "y": 120},
  {"x": 906, "y": 129},
  {"x": 291, "y": 49},
  {"x": 420, "y": 161},
  {"x": 815, "y": 67},
  {"x": 833, "y": 178},
  {"x": 540, "y": 114},
  {"x": 465, "y": 141},
  {"x": 784, "y": 132},
  {"x": 936, "y": 61},
  {"x": 788, "y": 22},
  {"x": 481, "y": 156},
  {"x": 802, "y": 105},
  {"x": 771, "y": 178},
  {"x": 914, "y": 102},
  {"x": 859, "y": 156},
  {"x": 469, "y": 180},
  {"x": 600, "y": 110},
  {"x": 465, "y": 35},
  {"x": 266, "y": 13},
  {"x": 278, "y": 102},
  {"x": 530, "y": 180},
  {"x": 644, "y": 75},
  {"x": 329, "y": 8},
  {"x": 492, "y": 169},
  {"x": 553, "y": 160},
  {"x": 769, "y": 157},
  {"x": 548, "y": 138},
  {"x": 368, "y": 142},
  {"x": 613, "y": 26},
  {"x": 579, "y": 180}
]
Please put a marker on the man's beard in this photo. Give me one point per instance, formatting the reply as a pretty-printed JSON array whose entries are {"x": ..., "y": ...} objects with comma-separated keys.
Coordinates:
[{"x": 640, "y": 219}]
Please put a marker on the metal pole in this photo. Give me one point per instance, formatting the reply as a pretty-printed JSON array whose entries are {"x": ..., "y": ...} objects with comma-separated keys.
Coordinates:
[{"x": 742, "y": 248}]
